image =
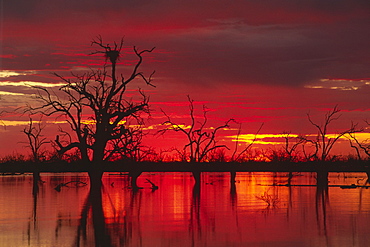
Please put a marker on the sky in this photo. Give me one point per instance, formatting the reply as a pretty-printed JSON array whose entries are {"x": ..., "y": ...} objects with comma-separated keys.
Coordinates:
[{"x": 259, "y": 62}]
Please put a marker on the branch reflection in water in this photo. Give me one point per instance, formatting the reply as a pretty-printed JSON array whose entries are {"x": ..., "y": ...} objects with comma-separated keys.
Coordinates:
[{"x": 220, "y": 209}]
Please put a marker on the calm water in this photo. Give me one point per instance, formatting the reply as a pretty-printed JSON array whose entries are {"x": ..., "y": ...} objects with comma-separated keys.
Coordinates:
[{"x": 177, "y": 214}]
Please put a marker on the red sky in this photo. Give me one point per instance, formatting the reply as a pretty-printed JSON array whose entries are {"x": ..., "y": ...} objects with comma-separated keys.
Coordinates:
[{"x": 270, "y": 62}]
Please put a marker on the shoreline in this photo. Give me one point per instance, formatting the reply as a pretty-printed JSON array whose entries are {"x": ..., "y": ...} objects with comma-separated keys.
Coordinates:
[{"x": 251, "y": 166}]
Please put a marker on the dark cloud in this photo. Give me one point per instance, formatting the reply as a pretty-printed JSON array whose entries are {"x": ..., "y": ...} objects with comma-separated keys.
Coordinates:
[
  {"x": 200, "y": 42},
  {"x": 294, "y": 55}
]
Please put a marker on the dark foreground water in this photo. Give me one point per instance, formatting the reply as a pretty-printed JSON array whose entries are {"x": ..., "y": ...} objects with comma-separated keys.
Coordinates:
[{"x": 179, "y": 214}]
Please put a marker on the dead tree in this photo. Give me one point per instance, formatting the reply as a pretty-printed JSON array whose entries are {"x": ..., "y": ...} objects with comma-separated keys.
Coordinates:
[
  {"x": 35, "y": 140},
  {"x": 239, "y": 156},
  {"x": 322, "y": 142},
  {"x": 289, "y": 151},
  {"x": 95, "y": 106},
  {"x": 290, "y": 146},
  {"x": 358, "y": 145},
  {"x": 201, "y": 140},
  {"x": 130, "y": 145}
]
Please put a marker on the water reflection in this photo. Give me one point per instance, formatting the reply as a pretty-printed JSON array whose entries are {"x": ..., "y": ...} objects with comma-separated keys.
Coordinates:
[
  {"x": 322, "y": 202},
  {"x": 94, "y": 206},
  {"x": 222, "y": 209}
]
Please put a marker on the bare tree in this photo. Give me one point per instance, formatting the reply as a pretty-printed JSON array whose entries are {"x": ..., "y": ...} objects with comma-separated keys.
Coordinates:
[
  {"x": 239, "y": 156},
  {"x": 95, "y": 106},
  {"x": 35, "y": 140},
  {"x": 322, "y": 142},
  {"x": 359, "y": 146},
  {"x": 200, "y": 141},
  {"x": 289, "y": 151},
  {"x": 290, "y": 146},
  {"x": 130, "y": 145}
]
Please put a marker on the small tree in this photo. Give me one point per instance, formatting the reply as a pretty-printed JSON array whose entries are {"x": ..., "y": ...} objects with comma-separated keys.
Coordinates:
[
  {"x": 359, "y": 146},
  {"x": 289, "y": 151},
  {"x": 200, "y": 141},
  {"x": 35, "y": 140},
  {"x": 323, "y": 143},
  {"x": 95, "y": 106},
  {"x": 240, "y": 156}
]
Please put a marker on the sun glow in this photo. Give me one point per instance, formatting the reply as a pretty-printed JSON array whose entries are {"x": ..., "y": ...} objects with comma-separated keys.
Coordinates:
[
  {"x": 30, "y": 84},
  {"x": 9, "y": 93},
  {"x": 278, "y": 139},
  {"x": 92, "y": 121},
  {"x": 339, "y": 84},
  {"x": 178, "y": 126},
  {"x": 8, "y": 73},
  {"x": 258, "y": 139}
]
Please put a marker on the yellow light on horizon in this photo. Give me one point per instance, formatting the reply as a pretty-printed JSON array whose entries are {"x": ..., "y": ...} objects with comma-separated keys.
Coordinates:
[
  {"x": 10, "y": 93},
  {"x": 30, "y": 84},
  {"x": 9, "y": 73},
  {"x": 258, "y": 139},
  {"x": 247, "y": 137},
  {"x": 92, "y": 121},
  {"x": 180, "y": 126}
]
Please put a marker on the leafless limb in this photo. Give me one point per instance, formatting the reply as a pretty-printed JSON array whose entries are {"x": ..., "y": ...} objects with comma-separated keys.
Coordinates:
[
  {"x": 200, "y": 141},
  {"x": 364, "y": 145},
  {"x": 94, "y": 105},
  {"x": 35, "y": 139},
  {"x": 237, "y": 158},
  {"x": 322, "y": 143}
]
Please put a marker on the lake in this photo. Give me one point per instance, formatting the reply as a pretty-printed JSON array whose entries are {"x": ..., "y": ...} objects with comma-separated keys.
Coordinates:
[{"x": 61, "y": 211}]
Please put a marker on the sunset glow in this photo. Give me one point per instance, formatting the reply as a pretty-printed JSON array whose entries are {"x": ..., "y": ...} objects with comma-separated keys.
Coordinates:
[{"x": 256, "y": 63}]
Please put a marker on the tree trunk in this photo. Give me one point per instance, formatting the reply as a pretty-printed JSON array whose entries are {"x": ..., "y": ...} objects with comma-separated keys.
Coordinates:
[
  {"x": 36, "y": 177},
  {"x": 95, "y": 176},
  {"x": 232, "y": 177},
  {"x": 322, "y": 178},
  {"x": 368, "y": 175},
  {"x": 196, "y": 175},
  {"x": 101, "y": 233},
  {"x": 133, "y": 176}
]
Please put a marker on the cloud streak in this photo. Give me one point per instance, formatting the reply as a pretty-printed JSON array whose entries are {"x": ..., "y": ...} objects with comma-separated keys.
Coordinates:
[{"x": 279, "y": 42}]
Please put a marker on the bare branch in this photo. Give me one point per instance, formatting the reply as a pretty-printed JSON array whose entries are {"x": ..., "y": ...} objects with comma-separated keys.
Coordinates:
[
  {"x": 249, "y": 145},
  {"x": 200, "y": 142},
  {"x": 94, "y": 105},
  {"x": 323, "y": 143}
]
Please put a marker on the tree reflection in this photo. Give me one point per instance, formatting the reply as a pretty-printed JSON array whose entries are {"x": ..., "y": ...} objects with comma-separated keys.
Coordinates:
[
  {"x": 200, "y": 214},
  {"x": 111, "y": 224},
  {"x": 367, "y": 182},
  {"x": 195, "y": 227},
  {"x": 322, "y": 201},
  {"x": 35, "y": 192},
  {"x": 233, "y": 194},
  {"x": 94, "y": 204}
]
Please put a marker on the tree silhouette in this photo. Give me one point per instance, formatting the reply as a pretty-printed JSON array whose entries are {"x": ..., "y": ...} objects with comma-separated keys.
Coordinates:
[
  {"x": 200, "y": 141},
  {"x": 323, "y": 143},
  {"x": 289, "y": 151},
  {"x": 35, "y": 140},
  {"x": 96, "y": 107},
  {"x": 241, "y": 155},
  {"x": 359, "y": 146}
]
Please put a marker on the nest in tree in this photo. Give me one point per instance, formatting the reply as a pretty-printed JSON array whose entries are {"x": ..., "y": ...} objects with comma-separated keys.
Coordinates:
[{"x": 113, "y": 55}]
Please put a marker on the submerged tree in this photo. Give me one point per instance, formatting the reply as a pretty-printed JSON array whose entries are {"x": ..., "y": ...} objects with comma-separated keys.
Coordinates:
[{"x": 95, "y": 107}]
